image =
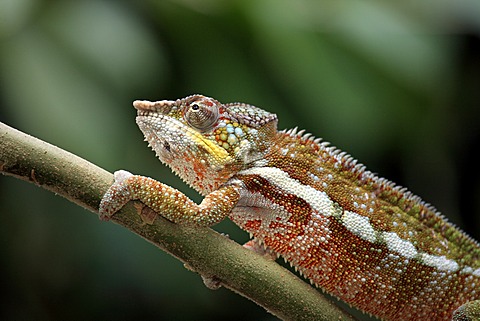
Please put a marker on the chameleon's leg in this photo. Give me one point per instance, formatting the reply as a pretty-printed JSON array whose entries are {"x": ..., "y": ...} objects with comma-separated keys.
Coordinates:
[
  {"x": 167, "y": 201},
  {"x": 255, "y": 246},
  {"x": 470, "y": 311},
  {"x": 211, "y": 282}
]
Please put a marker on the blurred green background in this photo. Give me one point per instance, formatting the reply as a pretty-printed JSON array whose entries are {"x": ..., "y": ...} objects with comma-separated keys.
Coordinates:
[{"x": 397, "y": 85}]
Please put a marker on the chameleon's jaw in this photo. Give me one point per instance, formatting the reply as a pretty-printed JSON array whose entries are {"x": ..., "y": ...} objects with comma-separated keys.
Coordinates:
[{"x": 153, "y": 128}]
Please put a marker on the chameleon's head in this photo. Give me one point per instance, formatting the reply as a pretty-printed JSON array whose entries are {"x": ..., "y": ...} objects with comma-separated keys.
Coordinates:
[{"x": 203, "y": 141}]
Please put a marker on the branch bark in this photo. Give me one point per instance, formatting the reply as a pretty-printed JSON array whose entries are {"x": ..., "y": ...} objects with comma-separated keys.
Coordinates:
[{"x": 203, "y": 250}]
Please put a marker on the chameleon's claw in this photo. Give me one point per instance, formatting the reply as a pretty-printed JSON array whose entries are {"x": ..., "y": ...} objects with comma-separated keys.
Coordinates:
[
  {"x": 255, "y": 246},
  {"x": 115, "y": 197},
  {"x": 213, "y": 283},
  {"x": 121, "y": 175}
]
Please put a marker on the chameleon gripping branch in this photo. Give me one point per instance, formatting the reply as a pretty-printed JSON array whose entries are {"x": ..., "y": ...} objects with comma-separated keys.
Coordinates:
[
  {"x": 361, "y": 238},
  {"x": 207, "y": 252}
]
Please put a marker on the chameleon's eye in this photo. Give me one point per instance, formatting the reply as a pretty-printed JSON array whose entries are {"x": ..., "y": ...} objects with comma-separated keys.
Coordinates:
[{"x": 201, "y": 116}]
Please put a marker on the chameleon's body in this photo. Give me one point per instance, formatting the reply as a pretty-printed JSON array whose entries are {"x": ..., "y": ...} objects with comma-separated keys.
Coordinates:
[{"x": 359, "y": 237}]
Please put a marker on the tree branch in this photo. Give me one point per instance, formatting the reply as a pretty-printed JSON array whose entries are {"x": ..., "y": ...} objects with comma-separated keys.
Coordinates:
[{"x": 202, "y": 249}]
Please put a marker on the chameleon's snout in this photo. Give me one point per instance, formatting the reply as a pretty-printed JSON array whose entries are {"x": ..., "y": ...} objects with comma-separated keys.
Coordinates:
[
  {"x": 142, "y": 104},
  {"x": 163, "y": 106}
]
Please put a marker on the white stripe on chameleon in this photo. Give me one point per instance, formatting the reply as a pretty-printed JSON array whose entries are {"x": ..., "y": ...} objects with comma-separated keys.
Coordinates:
[
  {"x": 359, "y": 225},
  {"x": 398, "y": 245},
  {"x": 439, "y": 262},
  {"x": 467, "y": 270},
  {"x": 319, "y": 201},
  {"x": 354, "y": 222}
]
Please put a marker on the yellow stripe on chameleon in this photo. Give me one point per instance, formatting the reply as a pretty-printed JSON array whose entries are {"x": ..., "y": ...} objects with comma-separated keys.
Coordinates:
[{"x": 216, "y": 154}]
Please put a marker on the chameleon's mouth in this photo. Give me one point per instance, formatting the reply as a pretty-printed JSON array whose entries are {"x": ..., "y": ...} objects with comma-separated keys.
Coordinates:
[
  {"x": 159, "y": 129},
  {"x": 162, "y": 133}
]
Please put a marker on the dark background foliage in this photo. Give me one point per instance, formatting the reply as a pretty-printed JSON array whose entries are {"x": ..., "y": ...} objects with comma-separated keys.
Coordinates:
[{"x": 394, "y": 84}]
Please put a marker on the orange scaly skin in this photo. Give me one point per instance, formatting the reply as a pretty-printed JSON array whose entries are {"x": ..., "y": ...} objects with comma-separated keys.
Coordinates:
[{"x": 372, "y": 244}]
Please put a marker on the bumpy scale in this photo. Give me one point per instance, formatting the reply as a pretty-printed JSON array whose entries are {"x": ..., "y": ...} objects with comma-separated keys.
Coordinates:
[{"x": 368, "y": 242}]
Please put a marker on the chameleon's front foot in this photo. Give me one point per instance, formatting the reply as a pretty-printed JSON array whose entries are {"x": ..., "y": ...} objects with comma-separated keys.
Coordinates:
[
  {"x": 167, "y": 201},
  {"x": 116, "y": 196}
]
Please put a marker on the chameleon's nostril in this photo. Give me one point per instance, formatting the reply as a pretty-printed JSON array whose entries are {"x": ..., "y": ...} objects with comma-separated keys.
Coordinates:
[{"x": 166, "y": 145}]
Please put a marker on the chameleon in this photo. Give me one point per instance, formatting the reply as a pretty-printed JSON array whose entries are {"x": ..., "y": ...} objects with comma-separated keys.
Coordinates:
[{"x": 360, "y": 237}]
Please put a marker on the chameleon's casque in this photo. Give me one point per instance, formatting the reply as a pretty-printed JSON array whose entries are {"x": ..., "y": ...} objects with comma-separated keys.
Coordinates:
[{"x": 372, "y": 244}]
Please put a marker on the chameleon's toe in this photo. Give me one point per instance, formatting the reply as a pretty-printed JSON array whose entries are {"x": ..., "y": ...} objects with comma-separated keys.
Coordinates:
[
  {"x": 213, "y": 283},
  {"x": 116, "y": 196},
  {"x": 121, "y": 175},
  {"x": 255, "y": 246}
]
